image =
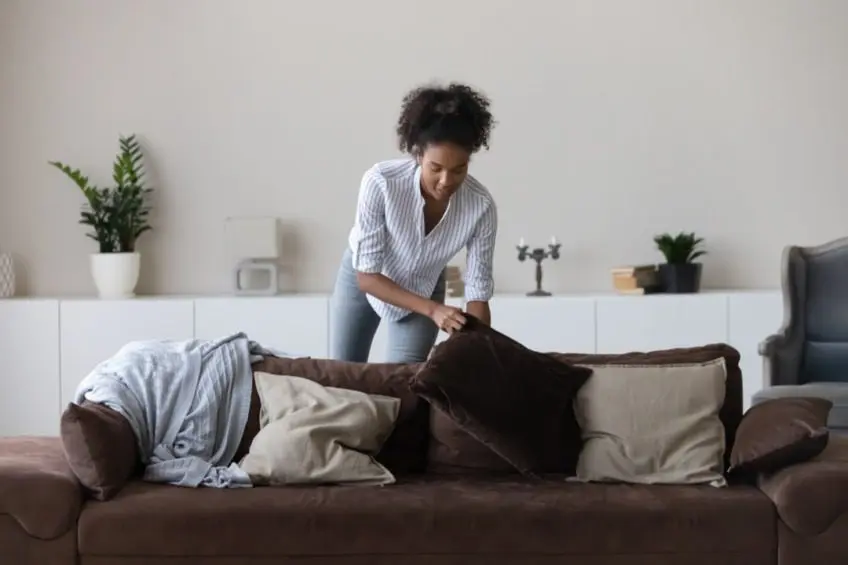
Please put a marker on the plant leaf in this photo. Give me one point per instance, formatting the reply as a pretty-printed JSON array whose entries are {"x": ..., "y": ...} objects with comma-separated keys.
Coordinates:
[{"x": 117, "y": 214}]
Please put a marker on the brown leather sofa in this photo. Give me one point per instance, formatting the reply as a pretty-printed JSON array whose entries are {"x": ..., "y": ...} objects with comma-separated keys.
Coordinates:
[{"x": 453, "y": 504}]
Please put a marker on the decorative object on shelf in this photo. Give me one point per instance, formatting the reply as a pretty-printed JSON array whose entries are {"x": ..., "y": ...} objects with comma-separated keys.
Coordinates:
[
  {"x": 538, "y": 254},
  {"x": 680, "y": 273},
  {"x": 454, "y": 284},
  {"x": 638, "y": 279},
  {"x": 118, "y": 215},
  {"x": 254, "y": 243},
  {"x": 7, "y": 276}
]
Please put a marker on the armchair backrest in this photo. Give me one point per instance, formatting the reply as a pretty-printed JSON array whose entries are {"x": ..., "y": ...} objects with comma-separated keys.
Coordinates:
[{"x": 819, "y": 292}]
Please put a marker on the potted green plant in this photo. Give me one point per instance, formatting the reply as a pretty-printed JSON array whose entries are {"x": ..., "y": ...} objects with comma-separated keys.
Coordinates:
[
  {"x": 680, "y": 273},
  {"x": 117, "y": 216}
]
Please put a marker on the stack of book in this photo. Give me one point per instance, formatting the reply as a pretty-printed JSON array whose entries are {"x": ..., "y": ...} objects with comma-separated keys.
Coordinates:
[
  {"x": 639, "y": 279},
  {"x": 453, "y": 282}
]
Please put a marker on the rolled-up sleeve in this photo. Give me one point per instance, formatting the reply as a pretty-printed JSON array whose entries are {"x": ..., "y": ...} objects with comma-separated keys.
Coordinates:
[
  {"x": 479, "y": 278},
  {"x": 369, "y": 237}
]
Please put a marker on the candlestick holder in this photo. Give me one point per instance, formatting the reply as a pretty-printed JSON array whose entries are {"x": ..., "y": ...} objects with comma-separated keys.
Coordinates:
[{"x": 538, "y": 254}]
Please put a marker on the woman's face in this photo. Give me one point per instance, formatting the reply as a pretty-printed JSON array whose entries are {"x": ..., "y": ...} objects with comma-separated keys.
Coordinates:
[{"x": 444, "y": 167}]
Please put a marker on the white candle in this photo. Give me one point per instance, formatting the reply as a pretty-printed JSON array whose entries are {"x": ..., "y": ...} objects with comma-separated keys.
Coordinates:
[
  {"x": 553, "y": 240},
  {"x": 521, "y": 242}
]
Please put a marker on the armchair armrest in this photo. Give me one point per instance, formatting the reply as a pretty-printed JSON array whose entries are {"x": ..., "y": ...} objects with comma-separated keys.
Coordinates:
[
  {"x": 781, "y": 353},
  {"x": 37, "y": 487},
  {"x": 772, "y": 345}
]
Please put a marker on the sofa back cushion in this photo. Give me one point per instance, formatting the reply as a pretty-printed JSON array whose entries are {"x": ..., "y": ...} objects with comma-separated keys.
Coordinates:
[
  {"x": 825, "y": 306},
  {"x": 451, "y": 450},
  {"x": 405, "y": 451}
]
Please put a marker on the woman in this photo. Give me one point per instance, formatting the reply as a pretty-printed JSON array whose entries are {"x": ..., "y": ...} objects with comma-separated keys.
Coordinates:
[{"x": 413, "y": 216}]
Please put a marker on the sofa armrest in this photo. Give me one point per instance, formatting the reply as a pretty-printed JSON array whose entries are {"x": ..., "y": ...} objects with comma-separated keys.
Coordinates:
[
  {"x": 812, "y": 496},
  {"x": 37, "y": 487}
]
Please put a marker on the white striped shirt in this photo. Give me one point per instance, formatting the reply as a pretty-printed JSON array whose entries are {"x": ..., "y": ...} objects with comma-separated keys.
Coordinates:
[{"x": 388, "y": 234}]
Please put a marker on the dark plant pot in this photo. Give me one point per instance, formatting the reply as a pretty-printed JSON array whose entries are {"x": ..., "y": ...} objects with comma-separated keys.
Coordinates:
[{"x": 679, "y": 278}]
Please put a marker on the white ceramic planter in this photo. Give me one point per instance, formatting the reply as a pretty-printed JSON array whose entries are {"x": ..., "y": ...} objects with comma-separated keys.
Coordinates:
[
  {"x": 7, "y": 276},
  {"x": 115, "y": 274}
]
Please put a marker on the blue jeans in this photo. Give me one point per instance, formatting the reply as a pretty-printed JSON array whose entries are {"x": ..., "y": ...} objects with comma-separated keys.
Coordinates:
[{"x": 354, "y": 323}]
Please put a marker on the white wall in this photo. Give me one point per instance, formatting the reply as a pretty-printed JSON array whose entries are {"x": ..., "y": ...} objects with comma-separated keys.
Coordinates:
[{"x": 618, "y": 120}]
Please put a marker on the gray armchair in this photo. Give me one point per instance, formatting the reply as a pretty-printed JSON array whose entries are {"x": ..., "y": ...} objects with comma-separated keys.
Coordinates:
[{"x": 808, "y": 356}]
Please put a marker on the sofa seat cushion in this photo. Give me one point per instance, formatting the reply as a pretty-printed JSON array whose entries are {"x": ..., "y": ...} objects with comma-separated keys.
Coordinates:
[
  {"x": 446, "y": 515},
  {"x": 837, "y": 393}
]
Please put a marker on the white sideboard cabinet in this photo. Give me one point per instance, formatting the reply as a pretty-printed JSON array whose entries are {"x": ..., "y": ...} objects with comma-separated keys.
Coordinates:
[
  {"x": 47, "y": 346},
  {"x": 29, "y": 367}
]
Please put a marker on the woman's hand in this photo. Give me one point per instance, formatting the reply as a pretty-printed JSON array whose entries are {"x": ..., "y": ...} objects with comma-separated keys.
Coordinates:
[{"x": 447, "y": 318}]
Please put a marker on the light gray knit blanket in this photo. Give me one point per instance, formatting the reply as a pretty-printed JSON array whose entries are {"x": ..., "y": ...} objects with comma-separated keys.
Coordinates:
[{"x": 187, "y": 402}]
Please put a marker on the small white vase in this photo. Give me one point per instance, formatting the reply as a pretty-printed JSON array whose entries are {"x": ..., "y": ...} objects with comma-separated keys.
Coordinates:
[
  {"x": 7, "y": 276},
  {"x": 115, "y": 274}
]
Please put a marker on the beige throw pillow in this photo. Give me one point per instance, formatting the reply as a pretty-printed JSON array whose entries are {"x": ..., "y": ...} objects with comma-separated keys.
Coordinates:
[
  {"x": 315, "y": 434},
  {"x": 653, "y": 424}
]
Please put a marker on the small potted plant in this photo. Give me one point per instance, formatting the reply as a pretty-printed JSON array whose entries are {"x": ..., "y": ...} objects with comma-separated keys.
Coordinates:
[
  {"x": 680, "y": 273},
  {"x": 117, "y": 215}
]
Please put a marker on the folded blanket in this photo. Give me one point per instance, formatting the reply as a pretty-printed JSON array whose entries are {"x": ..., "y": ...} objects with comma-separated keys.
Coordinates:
[{"x": 187, "y": 402}]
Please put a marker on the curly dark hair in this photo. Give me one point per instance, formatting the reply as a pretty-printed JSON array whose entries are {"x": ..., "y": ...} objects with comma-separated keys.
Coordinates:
[{"x": 436, "y": 114}]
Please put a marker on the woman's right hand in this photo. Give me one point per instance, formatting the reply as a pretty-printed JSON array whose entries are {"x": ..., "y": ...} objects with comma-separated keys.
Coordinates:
[{"x": 448, "y": 318}]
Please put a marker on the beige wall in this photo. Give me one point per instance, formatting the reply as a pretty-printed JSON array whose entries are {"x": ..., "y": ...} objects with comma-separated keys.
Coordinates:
[{"x": 618, "y": 120}]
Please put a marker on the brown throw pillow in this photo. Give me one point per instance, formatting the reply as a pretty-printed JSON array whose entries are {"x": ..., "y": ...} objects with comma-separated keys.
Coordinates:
[
  {"x": 780, "y": 432},
  {"x": 515, "y": 401},
  {"x": 100, "y": 446}
]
